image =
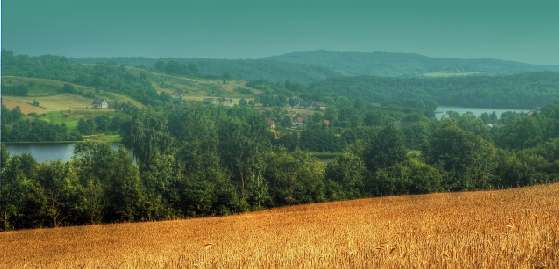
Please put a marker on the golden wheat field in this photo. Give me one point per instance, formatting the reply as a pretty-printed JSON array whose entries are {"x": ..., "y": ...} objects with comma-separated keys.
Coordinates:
[{"x": 516, "y": 228}]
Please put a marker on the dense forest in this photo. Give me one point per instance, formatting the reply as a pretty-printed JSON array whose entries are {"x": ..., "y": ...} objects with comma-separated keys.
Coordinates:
[
  {"x": 197, "y": 160},
  {"x": 527, "y": 90}
]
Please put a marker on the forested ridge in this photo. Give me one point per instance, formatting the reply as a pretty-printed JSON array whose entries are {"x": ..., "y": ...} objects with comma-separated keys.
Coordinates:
[
  {"x": 396, "y": 64},
  {"x": 308, "y": 66},
  {"x": 245, "y": 69}
]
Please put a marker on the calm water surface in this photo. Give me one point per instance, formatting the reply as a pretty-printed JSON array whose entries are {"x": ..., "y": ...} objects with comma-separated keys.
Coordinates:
[
  {"x": 44, "y": 151},
  {"x": 48, "y": 151}
]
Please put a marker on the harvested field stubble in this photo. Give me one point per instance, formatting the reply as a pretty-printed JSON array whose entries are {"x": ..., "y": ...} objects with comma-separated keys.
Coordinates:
[{"x": 516, "y": 228}]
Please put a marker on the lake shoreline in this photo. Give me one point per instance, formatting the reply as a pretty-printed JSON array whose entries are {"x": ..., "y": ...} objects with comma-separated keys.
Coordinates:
[
  {"x": 96, "y": 138},
  {"x": 43, "y": 142}
]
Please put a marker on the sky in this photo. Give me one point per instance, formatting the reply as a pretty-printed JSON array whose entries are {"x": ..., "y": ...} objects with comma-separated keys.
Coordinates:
[{"x": 526, "y": 31}]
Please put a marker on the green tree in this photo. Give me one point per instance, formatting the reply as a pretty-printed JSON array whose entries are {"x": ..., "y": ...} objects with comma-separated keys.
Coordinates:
[
  {"x": 124, "y": 191},
  {"x": 22, "y": 200},
  {"x": 522, "y": 133},
  {"x": 294, "y": 178},
  {"x": 468, "y": 160},
  {"x": 160, "y": 177},
  {"x": 348, "y": 171},
  {"x": 386, "y": 149},
  {"x": 4, "y": 157},
  {"x": 63, "y": 193}
]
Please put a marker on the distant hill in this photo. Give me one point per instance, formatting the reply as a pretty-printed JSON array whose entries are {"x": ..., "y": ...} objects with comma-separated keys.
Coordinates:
[
  {"x": 405, "y": 64},
  {"x": 313, "y": 66},
  {"x": 244, "y": 69}
]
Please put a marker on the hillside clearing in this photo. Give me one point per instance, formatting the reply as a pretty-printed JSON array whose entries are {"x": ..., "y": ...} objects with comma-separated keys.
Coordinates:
[
  {"x": 516, "y": 228},
  {"x": 49, "y": 103}
]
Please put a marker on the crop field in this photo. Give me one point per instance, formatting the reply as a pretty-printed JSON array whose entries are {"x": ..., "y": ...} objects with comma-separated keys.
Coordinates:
[{"x": 515, "y": 228}]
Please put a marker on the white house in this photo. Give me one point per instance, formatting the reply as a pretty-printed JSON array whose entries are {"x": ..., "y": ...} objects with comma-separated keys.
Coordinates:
[{"x": 100, "y": 104}]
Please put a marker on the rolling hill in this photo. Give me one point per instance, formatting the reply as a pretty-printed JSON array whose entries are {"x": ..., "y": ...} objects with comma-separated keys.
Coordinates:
[
  {"x": 515, "y": 228},
  {"x": 312, "y": 66},
  {"x": 243, "y": 69},
  {"x": 404, "y": 64}
]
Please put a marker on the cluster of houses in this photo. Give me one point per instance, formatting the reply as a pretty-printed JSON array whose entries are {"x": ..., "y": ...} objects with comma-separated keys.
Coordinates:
[
  {"x": 319, "y": 105},
  {"x": 296, "y": 122},
  {"x": 224, "y": 101}
]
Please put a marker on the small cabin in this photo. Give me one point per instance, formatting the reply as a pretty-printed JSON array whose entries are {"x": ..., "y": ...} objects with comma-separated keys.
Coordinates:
[{"x": 100, "y": 104}]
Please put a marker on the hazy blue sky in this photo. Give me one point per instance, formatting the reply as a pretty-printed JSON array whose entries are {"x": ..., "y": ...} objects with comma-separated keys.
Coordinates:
[{"x": 518, "y": 30}]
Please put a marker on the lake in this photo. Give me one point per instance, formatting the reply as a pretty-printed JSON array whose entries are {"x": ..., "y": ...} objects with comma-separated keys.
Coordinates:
[
  {"x": 44, "y": 151},
  {"x": 48, "y": 151},
  {"x": 441, "y": 111}
]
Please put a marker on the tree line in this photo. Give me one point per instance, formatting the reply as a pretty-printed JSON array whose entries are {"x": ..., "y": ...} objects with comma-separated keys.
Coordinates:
[
  {"x": 201, "y": 160},
  {"x": 526, "y": 90}
]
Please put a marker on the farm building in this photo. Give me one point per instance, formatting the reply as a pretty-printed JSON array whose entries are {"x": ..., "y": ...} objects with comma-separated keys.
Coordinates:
[{"x": 100, "y": 104}]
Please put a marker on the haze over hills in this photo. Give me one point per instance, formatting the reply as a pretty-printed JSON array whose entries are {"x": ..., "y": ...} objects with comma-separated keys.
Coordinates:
[
  {"x": 318, "y": 65},
  {"x": 246, "y": 69},
  {"x": 404, "y": 64},
  {"x": 197, "y": 78}
]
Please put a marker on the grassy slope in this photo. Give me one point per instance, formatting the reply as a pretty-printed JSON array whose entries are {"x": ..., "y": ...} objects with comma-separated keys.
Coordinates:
[
  {"x": 197, "y": 88},
  {"x": 50, "y": 103},
  {"x": 497, "y": 229},
  {"x": 42, "y": 88},
  {"x": 39, "y": 86}
]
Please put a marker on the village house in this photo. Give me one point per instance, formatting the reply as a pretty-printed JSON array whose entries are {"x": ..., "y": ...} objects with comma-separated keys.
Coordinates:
[
  {"x": 100, "y": 104},
  {"x": 225, "y": 101},
  {"x": 271, "y": 123},
  {"x": 298, "y": 121}
]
